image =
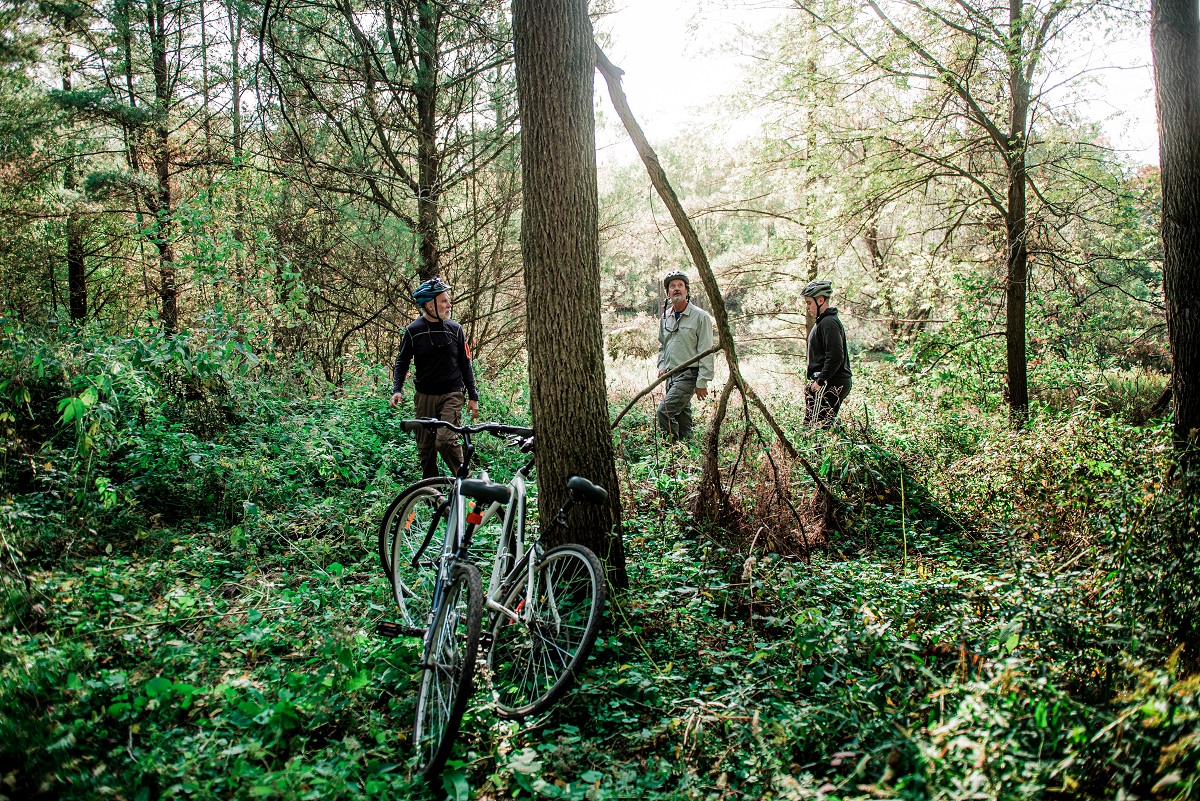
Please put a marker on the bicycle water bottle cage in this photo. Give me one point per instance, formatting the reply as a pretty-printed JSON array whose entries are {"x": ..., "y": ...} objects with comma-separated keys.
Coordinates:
[
  {"x": 485, "y": 490},
  {"x": 584, "y": 490}
]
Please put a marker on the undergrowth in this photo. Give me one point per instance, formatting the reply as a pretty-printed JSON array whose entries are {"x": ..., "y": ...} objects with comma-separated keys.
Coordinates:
[{"x": 190, "y": 591}]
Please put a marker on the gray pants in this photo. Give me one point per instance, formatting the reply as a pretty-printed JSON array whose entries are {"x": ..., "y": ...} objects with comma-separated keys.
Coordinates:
[{"x": 675, "y": 411}]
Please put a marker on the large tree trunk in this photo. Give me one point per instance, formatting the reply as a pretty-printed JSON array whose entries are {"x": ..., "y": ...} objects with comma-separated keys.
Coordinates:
[
  {"x": 1017, "y": 278},
  {"x": 1175, "y": 40},
  {"x": 560, "y": 242}
]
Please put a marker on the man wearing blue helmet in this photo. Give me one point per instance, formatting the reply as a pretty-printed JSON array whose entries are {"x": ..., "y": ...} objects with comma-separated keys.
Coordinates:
[{"x": 444, "y": 379}]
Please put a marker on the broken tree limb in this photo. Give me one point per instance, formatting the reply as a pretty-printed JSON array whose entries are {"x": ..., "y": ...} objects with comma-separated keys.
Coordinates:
[
  {"x": 661, "y": 379},
  {"x": 658, "y": 179}
]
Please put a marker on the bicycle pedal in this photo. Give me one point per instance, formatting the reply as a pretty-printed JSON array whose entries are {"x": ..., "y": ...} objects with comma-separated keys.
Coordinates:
[
  {"x": 485, "y": 642},
  {"x": 395, "y": 630}
]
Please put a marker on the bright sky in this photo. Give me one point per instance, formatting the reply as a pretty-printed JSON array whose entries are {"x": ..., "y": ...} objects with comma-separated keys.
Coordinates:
[{"x": 681, "y": 55}]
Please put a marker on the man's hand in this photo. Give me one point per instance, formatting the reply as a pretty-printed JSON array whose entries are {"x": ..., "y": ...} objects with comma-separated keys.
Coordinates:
[
  {"x": 814, "y": 387},
  {"x": 661, "y": 373},
  {"x": 701, "y": 392},
  {"x": 396, "y": 399},
  {"x": 473, "y": 407}
]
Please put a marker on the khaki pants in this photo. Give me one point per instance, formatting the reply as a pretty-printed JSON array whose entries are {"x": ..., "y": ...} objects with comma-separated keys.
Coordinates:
[{"x": 446, "y": 407}]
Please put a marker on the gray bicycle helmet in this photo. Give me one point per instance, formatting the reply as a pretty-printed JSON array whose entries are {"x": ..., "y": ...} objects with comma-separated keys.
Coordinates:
[
  {"x": 817, "y": 289},
  {"x": 681, "y": 275}
]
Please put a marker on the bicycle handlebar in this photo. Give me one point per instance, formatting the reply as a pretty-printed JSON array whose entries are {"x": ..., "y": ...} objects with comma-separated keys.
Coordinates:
[{"x": 495, "y": 429}]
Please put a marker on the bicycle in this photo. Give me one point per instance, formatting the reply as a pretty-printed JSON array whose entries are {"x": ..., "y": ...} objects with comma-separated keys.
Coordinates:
[{"x": 545, "y": 607}]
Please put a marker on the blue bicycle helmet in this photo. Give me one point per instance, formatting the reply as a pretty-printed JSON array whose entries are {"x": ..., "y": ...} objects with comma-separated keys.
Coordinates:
[{"x": 428, "y": 290}]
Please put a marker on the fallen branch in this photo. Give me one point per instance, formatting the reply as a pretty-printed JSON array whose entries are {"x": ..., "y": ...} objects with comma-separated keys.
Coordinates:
[{"x": 661, "y": 379}]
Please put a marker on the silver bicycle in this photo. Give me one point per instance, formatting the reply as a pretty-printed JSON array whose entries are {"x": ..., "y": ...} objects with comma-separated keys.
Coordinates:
[{"x": 543, "y": 608}]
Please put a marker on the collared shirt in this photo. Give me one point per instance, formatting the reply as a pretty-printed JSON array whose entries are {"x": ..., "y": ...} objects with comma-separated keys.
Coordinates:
[{"x": 682, "y": 336}]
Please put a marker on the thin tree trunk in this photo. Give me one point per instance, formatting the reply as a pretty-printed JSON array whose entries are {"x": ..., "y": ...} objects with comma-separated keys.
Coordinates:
[
  {"x": 560, "y": 242},
  {"x": 235, "y": 121},
  {"x": 1017, "y": 278},
  {"x": 159, "y": 200},
  {"x": 1175, "y": 40},
  {"x": 428, "y": 158},
  {"x": 76, "y": 266}
]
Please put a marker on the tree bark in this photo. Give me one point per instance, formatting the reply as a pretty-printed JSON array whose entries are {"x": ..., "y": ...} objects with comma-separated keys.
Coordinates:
[
  {"x": 1017, "y": 273},
  {"x": 1175, "y": 41},
  {"x": 76, "y": 261},
  {"x": 428, "y": 158},
  {"x": 159, "y": 200},
  {"x": 560, "y": 243}
]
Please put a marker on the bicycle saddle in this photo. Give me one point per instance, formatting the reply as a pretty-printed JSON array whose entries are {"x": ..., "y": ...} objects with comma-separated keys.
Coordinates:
[
  {"x": 482, "y": 490},
  {"x": 582, "y": 489}
]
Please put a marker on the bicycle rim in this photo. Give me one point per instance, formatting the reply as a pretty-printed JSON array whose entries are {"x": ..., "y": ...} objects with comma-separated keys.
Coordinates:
[
  {"x": 412, "y": 587},
  {"x": 449, "y": 669},
  {"x": 534, "y": 660},
  {"x": 394, "y": 516}
]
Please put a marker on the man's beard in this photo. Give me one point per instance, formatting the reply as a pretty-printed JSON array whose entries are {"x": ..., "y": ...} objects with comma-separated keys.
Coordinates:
[{"x": 444, "y": 315}]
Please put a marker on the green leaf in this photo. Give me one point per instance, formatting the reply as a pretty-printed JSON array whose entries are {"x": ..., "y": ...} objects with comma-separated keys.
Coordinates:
[{"x": 456, "y": 785}]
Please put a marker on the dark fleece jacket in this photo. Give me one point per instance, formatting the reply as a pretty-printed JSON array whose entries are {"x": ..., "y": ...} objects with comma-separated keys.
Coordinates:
[{"x": 828, "y": 354}]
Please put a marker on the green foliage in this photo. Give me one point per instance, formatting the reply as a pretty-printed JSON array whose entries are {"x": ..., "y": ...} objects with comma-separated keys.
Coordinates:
[{"x": 190, "y": 592}]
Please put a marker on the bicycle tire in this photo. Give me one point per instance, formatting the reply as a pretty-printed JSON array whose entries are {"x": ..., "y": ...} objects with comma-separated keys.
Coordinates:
[
  {"x": 534, "y": 662},
  {"x": 392, "y": 516},
  {"x": 448, "y": 672},
  {"x": 404, "y": 528}
]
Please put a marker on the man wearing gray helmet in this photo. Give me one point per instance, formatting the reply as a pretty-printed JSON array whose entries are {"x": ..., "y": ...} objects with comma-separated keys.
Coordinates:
[
  {"x": 828, "y": 374},
  {"x": 684, "y": 332}
]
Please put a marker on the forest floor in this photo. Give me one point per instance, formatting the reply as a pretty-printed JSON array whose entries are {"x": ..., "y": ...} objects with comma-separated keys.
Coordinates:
[{"x": 205, "y": 628}]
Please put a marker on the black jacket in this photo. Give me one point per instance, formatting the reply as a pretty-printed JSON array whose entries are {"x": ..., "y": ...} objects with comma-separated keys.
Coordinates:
[
  {"x": 828, "y": 355},
  {"x": 442, "y": 356}
]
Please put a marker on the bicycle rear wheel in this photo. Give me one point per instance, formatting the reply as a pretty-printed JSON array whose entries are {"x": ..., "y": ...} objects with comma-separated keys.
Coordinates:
[
  {"x": 402, "y": 530},
  {"x": 534, "y": 659},
  {"x": 449, "y": 669}
]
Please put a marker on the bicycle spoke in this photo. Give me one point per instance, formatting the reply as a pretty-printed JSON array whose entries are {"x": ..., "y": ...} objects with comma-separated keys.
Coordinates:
[
  {"x": 449, "y": 660},
  {"x": 533, "y": 661}
]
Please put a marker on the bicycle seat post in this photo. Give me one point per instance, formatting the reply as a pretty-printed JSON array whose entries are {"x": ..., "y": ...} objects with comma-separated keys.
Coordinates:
[{"x": 464, "y": 470}]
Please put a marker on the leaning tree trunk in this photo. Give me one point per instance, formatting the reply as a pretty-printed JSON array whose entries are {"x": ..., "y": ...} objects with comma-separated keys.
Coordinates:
[
  {"x": 1175, "y": 40},
  {"x": 560, "y": 243},
  {"x": 1017, "y": 274}
]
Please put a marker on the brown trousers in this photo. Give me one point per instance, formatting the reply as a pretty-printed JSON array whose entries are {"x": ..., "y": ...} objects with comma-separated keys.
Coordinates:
[{"x": 446, "y": 407}]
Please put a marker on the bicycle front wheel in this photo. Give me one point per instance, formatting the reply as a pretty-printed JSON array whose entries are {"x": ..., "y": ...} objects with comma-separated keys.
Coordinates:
[
  {"x": 448, "y": 672},
  {"x": 535, "y": 657},
  {"x": 402, "y": 530}
]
